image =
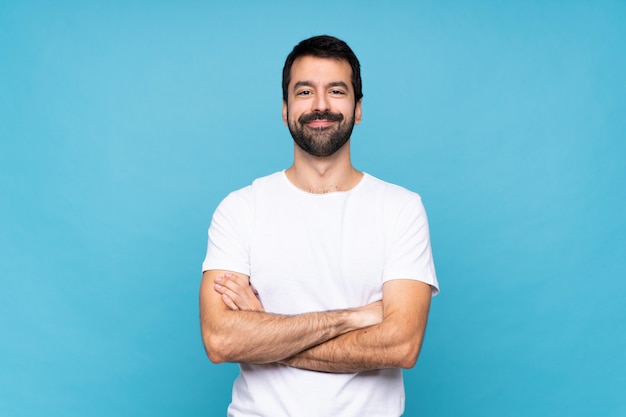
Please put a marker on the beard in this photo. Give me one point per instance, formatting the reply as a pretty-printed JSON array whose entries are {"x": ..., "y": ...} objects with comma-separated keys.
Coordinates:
[{"x": 321, "y": 141}]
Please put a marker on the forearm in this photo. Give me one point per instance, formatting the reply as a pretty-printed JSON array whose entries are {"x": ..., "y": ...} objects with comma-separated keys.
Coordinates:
[
  {"x": 375, "y": 347},
  {"x": 258, "y": 337},
  {"x": 236, "y": 329},
  {"x": 393, "y": 343}
]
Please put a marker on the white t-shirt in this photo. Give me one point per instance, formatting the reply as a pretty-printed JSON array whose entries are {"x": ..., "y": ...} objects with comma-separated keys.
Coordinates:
[{"x": 315, "y": 252}]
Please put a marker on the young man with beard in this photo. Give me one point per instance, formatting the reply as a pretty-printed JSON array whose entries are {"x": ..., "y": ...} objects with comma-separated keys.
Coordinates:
[{"x": 318, "y": 278}]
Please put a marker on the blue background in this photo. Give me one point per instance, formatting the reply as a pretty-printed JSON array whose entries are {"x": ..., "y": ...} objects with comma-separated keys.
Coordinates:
[{"x": 124, "y": 123}]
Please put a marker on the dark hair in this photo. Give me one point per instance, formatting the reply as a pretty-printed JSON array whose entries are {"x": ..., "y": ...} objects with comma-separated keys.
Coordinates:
[{"x": 324, "y": 47}]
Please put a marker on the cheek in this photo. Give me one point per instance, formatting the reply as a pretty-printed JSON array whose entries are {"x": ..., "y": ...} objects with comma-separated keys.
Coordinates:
[{"x": 292, "y": 114}]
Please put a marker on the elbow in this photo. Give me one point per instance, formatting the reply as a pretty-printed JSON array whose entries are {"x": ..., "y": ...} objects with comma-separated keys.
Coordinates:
[
  {"x": 408, "y": 362},
  {"x": 408, "y": 354},
  {"x": 215, "y": 357},
  {"x": 214, "y": 348}
]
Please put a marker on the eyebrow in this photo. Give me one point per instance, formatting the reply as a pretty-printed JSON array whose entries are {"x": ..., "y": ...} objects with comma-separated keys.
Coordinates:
[{"x": 299, "y": 84}]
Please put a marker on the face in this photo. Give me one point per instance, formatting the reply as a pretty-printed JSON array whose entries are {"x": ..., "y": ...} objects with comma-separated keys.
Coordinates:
[{"x": 320, "y": 110}]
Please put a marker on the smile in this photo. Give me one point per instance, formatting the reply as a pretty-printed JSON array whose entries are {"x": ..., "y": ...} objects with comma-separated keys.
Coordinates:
[{"x": 320, "y": 123}]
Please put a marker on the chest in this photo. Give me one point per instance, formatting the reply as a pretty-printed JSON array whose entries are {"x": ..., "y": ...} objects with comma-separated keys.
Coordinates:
[{"x": 317, "y": 255}]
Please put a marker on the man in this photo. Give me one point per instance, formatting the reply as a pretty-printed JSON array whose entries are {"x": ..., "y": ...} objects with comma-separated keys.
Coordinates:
[{"x": 318, "y": 279}]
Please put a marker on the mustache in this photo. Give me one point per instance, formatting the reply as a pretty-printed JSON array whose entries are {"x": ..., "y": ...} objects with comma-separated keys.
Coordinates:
[{"x": 320, "y": 115}]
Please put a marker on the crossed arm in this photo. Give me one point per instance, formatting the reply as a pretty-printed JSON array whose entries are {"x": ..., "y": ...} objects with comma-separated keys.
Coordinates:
[{"x": 386, "y": 334}]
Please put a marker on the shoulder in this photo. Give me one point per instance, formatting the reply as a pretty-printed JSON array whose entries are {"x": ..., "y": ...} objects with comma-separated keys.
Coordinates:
[
  {"x": 245, "y": 197},
  {"x": 269, "y": 182},
  {"x": 399, "y": 206},
  {"x": 391, "y": 193}
]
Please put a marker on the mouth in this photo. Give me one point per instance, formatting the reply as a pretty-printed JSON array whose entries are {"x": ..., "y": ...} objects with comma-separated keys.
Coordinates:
[
  {"x": 320, "y": 123},
  {"x": 320, "y": 120}
]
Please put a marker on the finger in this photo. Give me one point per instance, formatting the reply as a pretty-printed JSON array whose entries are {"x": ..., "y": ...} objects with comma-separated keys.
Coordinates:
[
  {"x": 229, "y": 302},
  {"x": 228, "y": 287},
  {"x": 241, "y": 296},
  {"x": 232, "y": 298},
  {"x": 232, "y": 295},
  {"x": 220, "y": 288},
  {"x": 233, "y": 285},
  {"x": 243, "y": 289},
  {"x": 235, "y": 278}
]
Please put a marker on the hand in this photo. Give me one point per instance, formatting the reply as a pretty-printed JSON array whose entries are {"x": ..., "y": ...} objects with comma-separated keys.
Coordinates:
[
  {"x": 237, "y": 292},
  {"x": 370, "y": 314},
  {"x": 362, "y": 317}
]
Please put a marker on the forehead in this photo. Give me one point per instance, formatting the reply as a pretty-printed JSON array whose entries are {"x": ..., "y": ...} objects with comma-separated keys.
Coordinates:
[{"x": 321, "y": 70}]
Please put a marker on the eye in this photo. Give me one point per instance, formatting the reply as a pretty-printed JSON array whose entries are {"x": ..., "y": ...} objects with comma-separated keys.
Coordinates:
[
  {"x": 304, "y": 93},
  {"x": 337, "y": 92}
]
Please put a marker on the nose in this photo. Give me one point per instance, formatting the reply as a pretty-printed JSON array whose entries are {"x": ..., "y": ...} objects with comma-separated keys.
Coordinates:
[{"x": 320, "y": 103}]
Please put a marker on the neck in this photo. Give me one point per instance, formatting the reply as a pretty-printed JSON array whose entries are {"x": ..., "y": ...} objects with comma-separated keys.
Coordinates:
[{"x": 320, "y": 175}]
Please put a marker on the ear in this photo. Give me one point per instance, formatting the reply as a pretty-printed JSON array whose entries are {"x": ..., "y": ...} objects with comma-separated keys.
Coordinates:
[
  {"x": 285, "y": 113},
  {"x": 358, "y": 111}
]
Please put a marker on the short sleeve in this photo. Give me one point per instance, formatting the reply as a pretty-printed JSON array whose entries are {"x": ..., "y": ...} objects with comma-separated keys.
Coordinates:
[
  {"x": 409, "y": 254},
  {"x": 229, "y": 232}
]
